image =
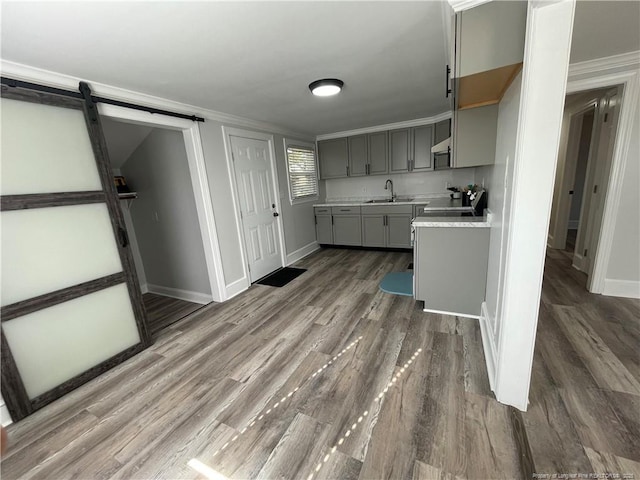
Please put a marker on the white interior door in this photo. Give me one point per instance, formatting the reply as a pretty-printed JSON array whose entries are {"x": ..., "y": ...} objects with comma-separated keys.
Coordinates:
[{"x": 252, "y": 163}]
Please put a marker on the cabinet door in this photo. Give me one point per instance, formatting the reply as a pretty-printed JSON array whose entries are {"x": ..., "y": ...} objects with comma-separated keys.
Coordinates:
[
  {"x": 324, "y": 230},
  {"x": 422, "y": 158},
  {"x": 399, "y": 143},
  {"x": 373, "y": 231},
  {"x": 441, "y": 131},
  {"x": 399, "y": 231},
  {"x": 475, "y": 136},
  {"x": 357, "y": 156},
  {"x": 378, "y": 153},
  {"x": 332, "y": 157},
  {"x": 347, "y": 230}
]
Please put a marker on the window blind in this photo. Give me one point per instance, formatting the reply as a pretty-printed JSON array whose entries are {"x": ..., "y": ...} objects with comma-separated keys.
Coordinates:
[{"x": 303, "y": 177}]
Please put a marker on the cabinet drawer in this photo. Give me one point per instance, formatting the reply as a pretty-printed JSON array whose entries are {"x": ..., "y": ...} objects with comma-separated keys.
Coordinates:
[
  {"x": 322, "y": 210},
  {"x": 345, "y": 210},
  {"x": 387, "y": 209}
]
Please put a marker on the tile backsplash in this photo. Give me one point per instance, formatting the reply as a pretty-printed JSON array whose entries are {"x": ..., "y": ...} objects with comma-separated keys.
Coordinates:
[{"x": 404, "y": 184}]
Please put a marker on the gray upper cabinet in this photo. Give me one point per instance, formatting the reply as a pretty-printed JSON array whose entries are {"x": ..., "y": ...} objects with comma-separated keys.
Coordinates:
[
  {"x": 399, "y": 150},
  {"x": 333, "y": 156},
  {"x": 378, "y": 153},
  {"x": 441, "y": 131},
  {"x": 422, "y": 158},
  {"x": 475, "y": 137},
  {"x": 490, "y": 36},
  {"x": 358, "y": 158}
]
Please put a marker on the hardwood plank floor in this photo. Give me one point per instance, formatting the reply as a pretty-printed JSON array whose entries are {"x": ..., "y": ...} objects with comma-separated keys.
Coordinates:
[
  {"x": 327, "y": 377},
  {"x": 163, "y": 311},
  {"x": 584, "y": 410}
]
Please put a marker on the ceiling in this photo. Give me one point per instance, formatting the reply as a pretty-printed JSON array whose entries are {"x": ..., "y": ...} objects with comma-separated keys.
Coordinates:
[
  {"x": 252, "y": 59},
  {"x": 122, "y": 139}
]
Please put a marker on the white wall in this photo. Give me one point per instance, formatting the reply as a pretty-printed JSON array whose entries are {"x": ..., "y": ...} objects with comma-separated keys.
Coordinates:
[
  {"x": 499, "y": 182},
  {"x": 165, "y": 219},
  {"x": 297, "y": 220},
  {"x": 5, "y": 417},
  {"x": 624, "y": 262},
  {"x": 403, "y": 184}
]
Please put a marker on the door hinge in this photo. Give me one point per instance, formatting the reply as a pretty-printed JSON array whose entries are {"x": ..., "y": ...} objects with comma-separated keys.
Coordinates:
[
  {"x": 584, "y": 254},
  {"x": 595, "y": 189},
  {"x": 606, "y": 117}
]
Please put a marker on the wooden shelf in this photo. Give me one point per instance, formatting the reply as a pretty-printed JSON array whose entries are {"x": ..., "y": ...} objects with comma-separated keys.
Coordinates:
[
  {"x": 128, "y": 197},
  {"x": 485, "y": 88}
]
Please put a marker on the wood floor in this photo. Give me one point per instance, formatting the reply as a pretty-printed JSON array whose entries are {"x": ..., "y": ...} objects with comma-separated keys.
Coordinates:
[
  {"x": 584, "y": 410},
  {"x": 163, "y": 311},
  {"x": 326, "y": 377}
]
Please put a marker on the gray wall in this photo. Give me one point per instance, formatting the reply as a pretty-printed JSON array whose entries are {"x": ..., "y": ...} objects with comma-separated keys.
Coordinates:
[
  {"x": 297, "y": 220},
  {"x": 581, "y": 170},
  {"x": 171, "y": 246}
]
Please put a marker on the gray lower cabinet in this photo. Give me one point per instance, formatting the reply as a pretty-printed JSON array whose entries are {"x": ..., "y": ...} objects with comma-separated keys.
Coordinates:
[
  {"x": 324, "y": 225},
  {"x": 450, "y": 268},
  {"x": 387, "y": 226},
  {"x": 333, "y": 158},
  {"x": 374, "y": 230},
  {"x": 399, "y": 230},
  {"x": 347, "y": 229}
]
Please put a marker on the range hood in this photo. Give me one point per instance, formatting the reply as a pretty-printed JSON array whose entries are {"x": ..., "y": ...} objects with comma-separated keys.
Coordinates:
[{"x": 442, "y": 147}]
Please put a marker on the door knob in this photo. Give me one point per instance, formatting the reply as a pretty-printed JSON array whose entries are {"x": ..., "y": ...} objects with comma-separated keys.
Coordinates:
[{"x": 276, "y": 214}]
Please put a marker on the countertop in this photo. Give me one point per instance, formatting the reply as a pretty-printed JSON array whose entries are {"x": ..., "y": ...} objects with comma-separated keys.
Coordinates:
[
  {"x": 452, "y": 222},
  {"x": 431, "y": 203}
]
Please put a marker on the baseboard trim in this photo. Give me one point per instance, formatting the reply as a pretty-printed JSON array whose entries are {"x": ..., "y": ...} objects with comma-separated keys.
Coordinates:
[
  {"x": 187, "y": 295},
  {"x": 299, "y": 254},
  {"x": 236, "y": 288},
  {"x": 144, "y": 288},
  {"x": 488, "y": 345},
  {"x": 621, "y": 288},
  {"x": 455, "y": 314},
  {"x": 573, "y": 224}
]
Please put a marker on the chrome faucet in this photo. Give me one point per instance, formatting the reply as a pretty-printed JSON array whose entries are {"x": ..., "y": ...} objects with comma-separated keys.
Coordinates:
[{"x": 386, "y": 187}]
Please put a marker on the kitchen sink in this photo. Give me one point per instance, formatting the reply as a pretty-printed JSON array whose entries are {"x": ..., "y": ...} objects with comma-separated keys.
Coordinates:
[{"x": 398, "y": 199}]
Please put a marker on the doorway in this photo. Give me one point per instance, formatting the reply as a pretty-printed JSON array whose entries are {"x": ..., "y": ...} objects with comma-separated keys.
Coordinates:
[
  {"x": 151, "y": 171},
  {"x": 584, "y": 166},
  {"x": 257, "y": 200}
]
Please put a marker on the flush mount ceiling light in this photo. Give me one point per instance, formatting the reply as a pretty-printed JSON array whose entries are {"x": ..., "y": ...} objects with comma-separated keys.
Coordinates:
[{"x": 326, "y": 87}]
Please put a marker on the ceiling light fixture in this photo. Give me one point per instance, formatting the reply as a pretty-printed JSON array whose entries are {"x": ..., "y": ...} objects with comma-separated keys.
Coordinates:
[{"x": 326, "y": 87}]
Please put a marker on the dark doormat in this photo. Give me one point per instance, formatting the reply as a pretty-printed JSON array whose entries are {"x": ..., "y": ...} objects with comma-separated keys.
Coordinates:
[{"x": 281, "y": 277}]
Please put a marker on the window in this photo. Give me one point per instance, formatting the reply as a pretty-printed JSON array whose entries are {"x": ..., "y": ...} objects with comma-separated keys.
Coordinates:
[{"x": 303, "y": 174}]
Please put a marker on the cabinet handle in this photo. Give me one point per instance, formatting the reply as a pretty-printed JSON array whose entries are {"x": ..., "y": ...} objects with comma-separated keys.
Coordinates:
[
  {"x": 347, "y": 170},
  {"x": 446, "y": 83}
]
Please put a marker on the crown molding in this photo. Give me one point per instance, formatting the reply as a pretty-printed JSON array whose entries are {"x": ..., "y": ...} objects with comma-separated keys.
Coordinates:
[
  {"x": 389, "y": 126},
  {"x": 623, "y": 60},
  {"x": 460, "y": 5},
  {"x": 28, "y": 73}
]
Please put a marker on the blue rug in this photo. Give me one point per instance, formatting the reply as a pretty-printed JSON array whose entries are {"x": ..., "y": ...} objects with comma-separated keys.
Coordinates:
[{"x": 398, "y": 283}]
